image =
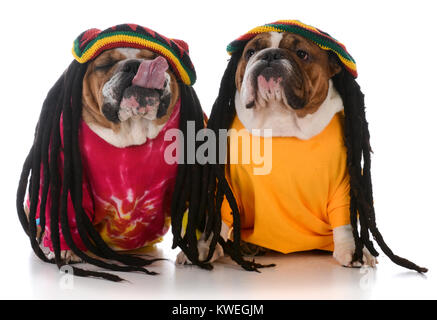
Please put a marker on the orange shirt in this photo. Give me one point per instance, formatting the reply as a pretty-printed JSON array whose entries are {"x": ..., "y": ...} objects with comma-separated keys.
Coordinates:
[{"x": 296, "y": 206}]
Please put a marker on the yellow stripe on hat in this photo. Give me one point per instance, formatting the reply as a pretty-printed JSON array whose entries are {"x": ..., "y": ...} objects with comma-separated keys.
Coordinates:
[{"x": 89, "y": 53}]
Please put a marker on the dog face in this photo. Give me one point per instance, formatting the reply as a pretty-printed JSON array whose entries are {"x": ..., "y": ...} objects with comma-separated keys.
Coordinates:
[
  {"x": 286, "y": 70},
  {"x": 127, "y": 86}
]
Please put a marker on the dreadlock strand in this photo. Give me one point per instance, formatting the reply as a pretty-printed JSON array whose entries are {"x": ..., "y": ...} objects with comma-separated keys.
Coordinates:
[
  {"x": 21, "y": 192},
  {"x": 33, "y": 196},
  {"x": 203, "y": 217},
  {"x": 210, "y": 195},
  {"x": 181, "y": 189},
  {"x": 357, "y": 139},
  {"x": 46, "y": 177},
  {"x": 190, "y": 231},
  {"x": 358, "y": 254},
  {"x": 55, "y": 183},
  {"x": 201, "y": 171},
  {"x": 367, "y": 177},
  {"x": 234, "y": 208},
  {"x": 176, "y": 213},
  {"x": 217, "y": 224},
  {"x": 189, "y": 114}
]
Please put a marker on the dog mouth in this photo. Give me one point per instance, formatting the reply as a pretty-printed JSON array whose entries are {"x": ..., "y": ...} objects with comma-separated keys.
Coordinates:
[
  {"x": 140, "y": 102},
  {"x": 278, "y": 81},
  {"x": 138, "y": 90},
  {"x": 269, "y": 83}
]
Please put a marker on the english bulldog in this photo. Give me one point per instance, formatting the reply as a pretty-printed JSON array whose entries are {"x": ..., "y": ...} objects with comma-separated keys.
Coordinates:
[
  {"x": 284, "y": 84},
  {"x": 133, "y": 84},
  {"x": 128, "y": 96}
]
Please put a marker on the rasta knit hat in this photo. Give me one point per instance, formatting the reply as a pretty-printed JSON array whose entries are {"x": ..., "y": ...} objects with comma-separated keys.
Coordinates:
[
  {"x": 320, "y": 38},
  {"x": 89, "y": 44}
]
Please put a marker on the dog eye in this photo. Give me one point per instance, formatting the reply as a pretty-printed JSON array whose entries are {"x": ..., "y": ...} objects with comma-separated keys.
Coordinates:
[
  {"x": 105, "y": 66},
  {"x": 250, "y": 53},
  {"x": 302, "y": 54}
]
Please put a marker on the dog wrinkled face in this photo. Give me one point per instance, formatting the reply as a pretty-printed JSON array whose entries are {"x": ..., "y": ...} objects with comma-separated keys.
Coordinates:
[
  {"x": 284, "y": 69},
  {"x": 124, "y": 84}
]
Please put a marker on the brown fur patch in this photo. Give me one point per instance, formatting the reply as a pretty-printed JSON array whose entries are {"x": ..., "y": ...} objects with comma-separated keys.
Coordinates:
[
  {"x": 93, "y": 83},
  {"x": 317, "y": 71}
]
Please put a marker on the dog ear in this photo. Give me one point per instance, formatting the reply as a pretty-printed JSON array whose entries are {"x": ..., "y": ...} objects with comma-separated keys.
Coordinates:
[{"x": 334, "y": 64}]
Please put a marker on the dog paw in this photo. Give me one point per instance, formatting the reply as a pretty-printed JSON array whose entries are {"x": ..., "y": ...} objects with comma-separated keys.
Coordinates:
[
  {"x": 203, "y": 248},
  {"x": 344, "y": 254},
  {"x": 181, "y": 258},
  {"x": 67, "y": 256},
  {"x": 344, "y": 248}
]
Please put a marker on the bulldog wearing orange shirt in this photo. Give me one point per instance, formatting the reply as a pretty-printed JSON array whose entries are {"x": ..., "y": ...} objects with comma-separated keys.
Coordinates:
[
  {"x": 283, "y": 83},
  {"x": 291, "y": 88}
]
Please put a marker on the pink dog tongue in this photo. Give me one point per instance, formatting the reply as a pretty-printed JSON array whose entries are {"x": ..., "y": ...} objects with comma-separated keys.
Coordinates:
[{"x": 151, "y": 73}]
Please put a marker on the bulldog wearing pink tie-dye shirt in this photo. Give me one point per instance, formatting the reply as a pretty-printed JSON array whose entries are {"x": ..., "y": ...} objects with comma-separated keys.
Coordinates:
[{"x": 99, "y": 179}]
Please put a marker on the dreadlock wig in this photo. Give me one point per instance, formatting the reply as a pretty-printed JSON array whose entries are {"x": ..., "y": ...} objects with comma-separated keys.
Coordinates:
[
  {"x": 64, "y": 195},
  {"x": 356, "y": 142}
]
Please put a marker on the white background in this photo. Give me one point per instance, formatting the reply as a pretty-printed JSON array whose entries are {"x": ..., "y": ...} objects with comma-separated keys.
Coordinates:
[{"x": 394, "y": 45}]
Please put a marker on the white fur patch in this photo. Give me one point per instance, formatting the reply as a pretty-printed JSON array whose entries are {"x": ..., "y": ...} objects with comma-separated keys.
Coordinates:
[
  {"x": 129, "y": 53},
  {"x": 67, "y": 256},
  {"x": 134, "y": 131},
  {"x": 203, "y": 248},
  {"x": 283, "y": 121},
  {"x": 275, "y": 39}
]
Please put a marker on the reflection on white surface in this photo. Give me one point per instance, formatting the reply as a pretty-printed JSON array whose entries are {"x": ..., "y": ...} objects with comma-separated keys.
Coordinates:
[{"x": 306, "y": 275}]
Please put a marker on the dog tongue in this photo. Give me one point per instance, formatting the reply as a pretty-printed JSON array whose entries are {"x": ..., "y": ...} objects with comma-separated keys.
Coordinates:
[{"x": 151, "y": 73}]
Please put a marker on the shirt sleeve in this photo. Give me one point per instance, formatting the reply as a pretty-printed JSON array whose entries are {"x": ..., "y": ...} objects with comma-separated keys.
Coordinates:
[{"x": 338, "y": 205}]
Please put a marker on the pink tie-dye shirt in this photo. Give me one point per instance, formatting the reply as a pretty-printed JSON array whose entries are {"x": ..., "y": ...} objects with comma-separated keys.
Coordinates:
[{"x": 127, "y": 191}]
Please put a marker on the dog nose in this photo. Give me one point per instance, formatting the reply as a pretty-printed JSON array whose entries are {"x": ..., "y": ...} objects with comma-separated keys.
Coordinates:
[
  {"x": 271, "y": 55},
  {"x": 131, "y": 66}
]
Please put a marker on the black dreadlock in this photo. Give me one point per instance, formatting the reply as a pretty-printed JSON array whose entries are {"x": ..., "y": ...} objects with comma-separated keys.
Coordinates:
[
  {"x": 222, "y": 114},
  {"x": 64, "y": 99},
  {"x": 188, "y": 187},
  {"x": 357, "y": 141},
  {"x": 358, "y": 148}
]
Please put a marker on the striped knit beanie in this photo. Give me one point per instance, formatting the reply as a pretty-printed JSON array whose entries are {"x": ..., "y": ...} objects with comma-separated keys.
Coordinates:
[
  {"x": 320, "y": 38},
  {"x": 89, "y": 44}
]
